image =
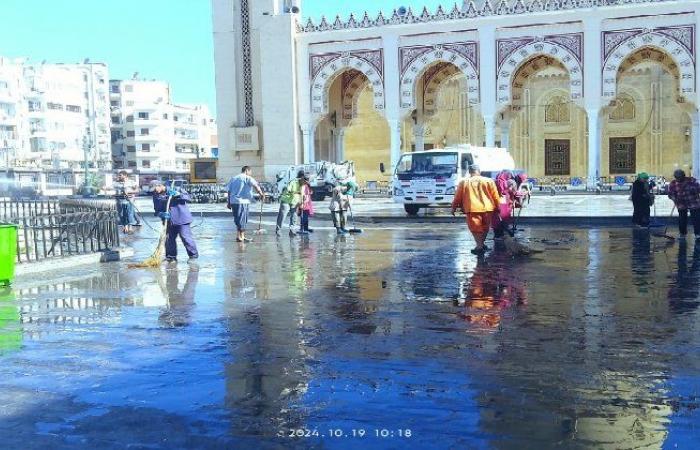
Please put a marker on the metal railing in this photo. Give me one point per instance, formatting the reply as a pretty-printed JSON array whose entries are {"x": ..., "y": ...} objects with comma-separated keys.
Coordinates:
[
  {"x": 26, "y": 208},
  {"x": 53, "y": 229}
]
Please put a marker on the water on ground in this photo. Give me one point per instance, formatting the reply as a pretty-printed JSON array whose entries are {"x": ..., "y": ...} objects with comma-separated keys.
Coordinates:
[{"x": 394, "y": 338}]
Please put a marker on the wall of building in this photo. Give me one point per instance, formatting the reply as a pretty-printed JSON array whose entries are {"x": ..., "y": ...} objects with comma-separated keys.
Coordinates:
[
  {"x": 53, "y": 116},
  {"x": 489, "y": 47},
  {"x": 367, "y": 139},
  {"x": 153, "y": 136}
]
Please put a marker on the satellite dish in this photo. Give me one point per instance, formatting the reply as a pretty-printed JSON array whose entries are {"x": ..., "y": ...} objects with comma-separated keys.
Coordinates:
[{"x": 402, "y": 11}]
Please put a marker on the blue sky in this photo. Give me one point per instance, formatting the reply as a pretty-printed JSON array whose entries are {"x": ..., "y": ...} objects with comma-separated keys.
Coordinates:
[{"x": 163, "y": 39}]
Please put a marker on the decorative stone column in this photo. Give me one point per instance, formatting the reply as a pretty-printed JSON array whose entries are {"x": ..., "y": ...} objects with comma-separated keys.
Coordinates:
[
  {"x": 487, "y": 62},
  {"x": 593, "y": 100},
  {"x": 505, "y": 134},
  {"x": 594, "y": 138},
  {"x": 695, "y": 136},
  {"x": 308, "y": 131},
  {"x": 395, "y": 134},
  {"x": 339, "y": 135},
  {"x": 419, "y": 137},
  {"x": 490, "y": 128}
]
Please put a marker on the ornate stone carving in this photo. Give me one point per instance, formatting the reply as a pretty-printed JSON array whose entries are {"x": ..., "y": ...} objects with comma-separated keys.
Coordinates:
[
  {"x": 675, "y": 42},
  {"x": 325, "y": 68},
  {"x": 567, "y": 49},
  {"x": 415, "y": 61},
  {"x": 469, "y": 9},
  {"x": 247, "y": 65}
]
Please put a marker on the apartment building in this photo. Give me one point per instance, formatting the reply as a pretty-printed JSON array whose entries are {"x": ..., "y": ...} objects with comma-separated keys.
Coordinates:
[
  {"x": 151, "y": 135},
  {"x": 53, "y": 119},
  {"x": 12, "y": 111}
]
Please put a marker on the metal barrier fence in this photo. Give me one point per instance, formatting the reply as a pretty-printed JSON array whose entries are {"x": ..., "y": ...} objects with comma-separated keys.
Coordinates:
[
  {"x": 53, "y": 229},
  {"x": 26, "y": 208}
]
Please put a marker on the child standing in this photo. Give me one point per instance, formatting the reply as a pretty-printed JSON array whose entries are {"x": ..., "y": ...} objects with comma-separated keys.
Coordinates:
[{"x": 307, "y": 206}]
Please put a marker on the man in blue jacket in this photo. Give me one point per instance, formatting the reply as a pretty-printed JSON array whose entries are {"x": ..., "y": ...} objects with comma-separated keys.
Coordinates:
[{"x": 178, "y": 218}]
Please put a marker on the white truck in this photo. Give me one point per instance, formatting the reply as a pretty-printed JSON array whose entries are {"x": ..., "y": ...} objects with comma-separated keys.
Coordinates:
[
  {"x": 323, "y": 176},
  {"x": 429, "y": 178}
]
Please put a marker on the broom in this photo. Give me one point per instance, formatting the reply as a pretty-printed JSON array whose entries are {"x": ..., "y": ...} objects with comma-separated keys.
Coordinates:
[
  {"x": 354, "y": 229},
  {"x": 157, "y": 257},
  {"x": 665, "y": 234},
  {"x": 514, "y": 247},
  {"x": 260, "y": 230}
]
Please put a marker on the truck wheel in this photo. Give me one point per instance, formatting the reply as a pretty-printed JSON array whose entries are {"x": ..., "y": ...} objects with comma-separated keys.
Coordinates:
[{"x": 411, "y": 210}]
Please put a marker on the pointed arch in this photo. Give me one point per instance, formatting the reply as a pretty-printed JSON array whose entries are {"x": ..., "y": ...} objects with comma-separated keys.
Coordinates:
[
  {"x": 352, "y": 88},
  {"x": 443, "y": 72},
  {"x": 522, "y": 55},
  {"x": 683, "y": 60},
  {"x": 334, "y": 68},
  {"x": 418, "y": 66}
]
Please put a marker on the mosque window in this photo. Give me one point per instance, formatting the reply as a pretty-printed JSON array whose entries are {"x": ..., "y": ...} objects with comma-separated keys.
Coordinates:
[
  {"x": 557, "y": 110},
  {"x": 625, "y": 109}
]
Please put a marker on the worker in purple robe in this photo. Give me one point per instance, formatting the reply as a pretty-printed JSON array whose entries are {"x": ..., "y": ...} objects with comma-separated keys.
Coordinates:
[{"x": 178, "y": 218}]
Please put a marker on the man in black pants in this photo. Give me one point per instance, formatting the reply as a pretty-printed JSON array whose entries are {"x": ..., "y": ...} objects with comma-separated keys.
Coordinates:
[{"x": 685, "y": 193}]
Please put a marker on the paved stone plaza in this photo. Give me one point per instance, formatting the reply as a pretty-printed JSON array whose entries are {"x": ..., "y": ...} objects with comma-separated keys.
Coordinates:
[
  {"x": 541, "y": 205},
  {"x": 394, "y": 338}
]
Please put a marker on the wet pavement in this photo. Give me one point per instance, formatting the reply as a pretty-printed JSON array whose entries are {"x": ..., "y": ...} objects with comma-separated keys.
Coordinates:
[
  {"x": 541, "y": 205},
  {"x": 394, "y": 338}
]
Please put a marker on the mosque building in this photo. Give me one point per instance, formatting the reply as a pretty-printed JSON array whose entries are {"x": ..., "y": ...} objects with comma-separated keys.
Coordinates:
[{"x": 576, "y": 90}]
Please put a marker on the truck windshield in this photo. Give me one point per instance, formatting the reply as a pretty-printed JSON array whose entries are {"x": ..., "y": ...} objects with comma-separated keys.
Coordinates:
[{"x": 427, "y": 164}]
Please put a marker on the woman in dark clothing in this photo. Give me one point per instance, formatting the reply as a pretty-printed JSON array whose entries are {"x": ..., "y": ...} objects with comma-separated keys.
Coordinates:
[{"x": 642, "y": 199}]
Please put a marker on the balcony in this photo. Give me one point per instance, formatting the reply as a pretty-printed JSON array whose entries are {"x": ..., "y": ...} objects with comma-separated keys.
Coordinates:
[
  {"x": 37, "y": 131},
  {"x": 7, "y": 97},
  {"x": 155, "y": 137},
  {"x": 35, "y": 113},
  {"x": 186, "y": 137},
  {"x": 8, "y": 119},
  {"x": 151, "y": 121},
  {"x": 187, "y": 150},
  {"x": 35, "y": 93}
]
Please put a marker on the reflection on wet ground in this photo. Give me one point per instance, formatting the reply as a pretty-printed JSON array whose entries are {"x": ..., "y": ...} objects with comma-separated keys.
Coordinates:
[{"x": 393, "y": 338}]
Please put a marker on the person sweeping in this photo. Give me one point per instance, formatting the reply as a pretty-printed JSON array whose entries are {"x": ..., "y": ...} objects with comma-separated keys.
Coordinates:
[
  {"x": 478, "y": 198},
  {"x": 642, "y": 200},
  {"x": 685, "y": 193},
  {"x": 289, "y": 202},
  {"x": 338, "y": 206},
  {"x": 240, "y": 193},
  {"x": 351, "y": 191},
  {"x": 178, "y": 217}
]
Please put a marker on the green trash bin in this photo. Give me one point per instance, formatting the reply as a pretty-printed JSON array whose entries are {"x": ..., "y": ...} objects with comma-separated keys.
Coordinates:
[{"x": 8, "y": 253}]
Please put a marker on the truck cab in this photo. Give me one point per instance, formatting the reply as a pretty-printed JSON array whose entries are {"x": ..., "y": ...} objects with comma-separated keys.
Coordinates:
[{"x": 430, "y": 178}]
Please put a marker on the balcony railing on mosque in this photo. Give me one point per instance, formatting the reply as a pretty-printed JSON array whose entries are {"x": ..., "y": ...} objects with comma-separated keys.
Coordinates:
[{"x": 54, "y": 229}]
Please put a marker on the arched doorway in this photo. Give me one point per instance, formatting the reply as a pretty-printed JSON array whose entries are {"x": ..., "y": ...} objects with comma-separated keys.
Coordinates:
[
  {"x": 366, "y": 139},
  {"x": 647, "y": 126},
  {"x": 444, "y": 115},
  {"x": 347, "y": 103},
  {"x": 546, "y": 129},
  {"x": 440, "y": 97}
]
